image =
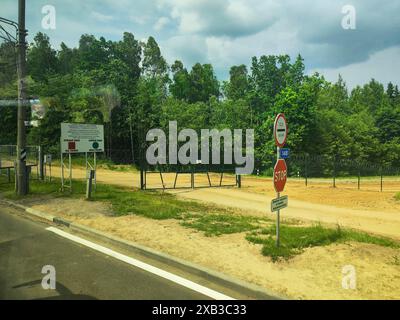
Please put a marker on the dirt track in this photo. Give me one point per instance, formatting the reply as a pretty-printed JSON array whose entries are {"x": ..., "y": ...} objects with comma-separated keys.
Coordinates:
[{"x": 371, "y": 211}]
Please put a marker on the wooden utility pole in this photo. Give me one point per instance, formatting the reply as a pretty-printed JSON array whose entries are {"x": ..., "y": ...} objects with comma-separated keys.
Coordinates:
[{"x": 22, "y": 188}]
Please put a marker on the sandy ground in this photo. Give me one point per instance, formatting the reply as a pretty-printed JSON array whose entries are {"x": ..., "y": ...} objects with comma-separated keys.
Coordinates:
[
  {"x": 372, "y": 211},
  {"x": 315, "y": 274}
]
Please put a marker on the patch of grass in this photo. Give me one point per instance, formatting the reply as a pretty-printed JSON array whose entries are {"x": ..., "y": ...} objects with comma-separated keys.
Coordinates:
[
  {"x": 293, "y": 240},
  {"x": 397, "y": 196},
  {"x": 152, "y": 205},
  {"x": 37, "y": 188},
  {"x": 219, "y": 224}
]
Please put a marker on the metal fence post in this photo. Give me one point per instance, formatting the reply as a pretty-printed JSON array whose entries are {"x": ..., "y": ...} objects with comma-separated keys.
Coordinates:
[
  {"x": 334, "y": 173},
  {"x": 238, "y": 180},
  {"x": 192, "y": 178},
  {"x": 305, "y": 170},
  {"x": 141, "y": 179},
  {"x": 41, "y": 163},
  {"x": 89, "y": 184},
  {"x": 16, "y": 175},
  {"x": 28, "y": 174}
]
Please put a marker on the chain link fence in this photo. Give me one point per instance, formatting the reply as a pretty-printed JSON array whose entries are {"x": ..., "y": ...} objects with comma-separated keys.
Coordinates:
[
  {"x": 309, "y": 169},
  {"x": 8, "y": 156}
]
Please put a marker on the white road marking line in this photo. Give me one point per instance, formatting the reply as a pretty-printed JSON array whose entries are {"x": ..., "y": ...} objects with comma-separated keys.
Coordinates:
[{"x": 144, "y": 266}]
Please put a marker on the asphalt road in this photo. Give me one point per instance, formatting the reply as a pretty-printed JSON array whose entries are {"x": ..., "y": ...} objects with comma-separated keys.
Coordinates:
[{"x": 81, "y": 273}]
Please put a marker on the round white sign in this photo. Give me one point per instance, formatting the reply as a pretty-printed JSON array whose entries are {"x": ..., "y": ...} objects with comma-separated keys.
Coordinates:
[{"x": 280, "y": 130}]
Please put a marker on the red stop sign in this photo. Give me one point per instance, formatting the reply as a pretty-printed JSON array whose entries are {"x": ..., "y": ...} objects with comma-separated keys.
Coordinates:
[{"x": 280, "y": 175}]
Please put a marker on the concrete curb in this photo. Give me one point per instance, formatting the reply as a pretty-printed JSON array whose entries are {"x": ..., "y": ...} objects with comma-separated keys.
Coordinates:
[{"x": 245, "y": 288}]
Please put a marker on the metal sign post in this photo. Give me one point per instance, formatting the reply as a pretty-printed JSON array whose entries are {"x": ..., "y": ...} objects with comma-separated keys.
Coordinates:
[
  {"x": 91, "y": 168},
  {"x": 69, "y": 168},
  {"x": 278, "y": 215},
  {"x": 47, "y": 165},
  {"x": 280, "y": 170}
]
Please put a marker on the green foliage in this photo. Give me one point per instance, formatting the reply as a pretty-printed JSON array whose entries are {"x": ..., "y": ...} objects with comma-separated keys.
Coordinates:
[
  {"x": 8, "y": 65},
  {"x": 152, "y": 205},
  {"x": 42, "y": 59},
  {"x": 125, "y": 84},
  {"x": 154, "y": 65},
  {"x": 238, "y": 85}
]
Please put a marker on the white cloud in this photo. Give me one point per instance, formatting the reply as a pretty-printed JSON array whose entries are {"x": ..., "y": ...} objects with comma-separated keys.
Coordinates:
[
  {"x": 141, "y": 20},
  {"x": 221, "y": 17},
  {"x": 101, "y": 17},
  {"x": 161, "y": 23},
  {"x": 188, "y": 49},
  {"x": 383, "y": 66}
]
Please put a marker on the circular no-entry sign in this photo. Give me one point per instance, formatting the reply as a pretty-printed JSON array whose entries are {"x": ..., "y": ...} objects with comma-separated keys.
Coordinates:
[
  {"x": 280, "y": 130},
  {"x": 280, "y": 175}
]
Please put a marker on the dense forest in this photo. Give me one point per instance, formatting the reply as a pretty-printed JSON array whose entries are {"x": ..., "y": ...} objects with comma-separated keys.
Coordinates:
[{"x": 129, "y": 86}]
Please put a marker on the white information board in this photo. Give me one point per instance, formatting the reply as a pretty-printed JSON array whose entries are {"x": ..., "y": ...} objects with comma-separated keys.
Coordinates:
[{"x": 82, "y": 138}]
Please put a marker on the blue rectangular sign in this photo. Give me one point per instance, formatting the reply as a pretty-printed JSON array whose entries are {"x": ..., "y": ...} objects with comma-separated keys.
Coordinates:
[{"x": 284, "y": 153}]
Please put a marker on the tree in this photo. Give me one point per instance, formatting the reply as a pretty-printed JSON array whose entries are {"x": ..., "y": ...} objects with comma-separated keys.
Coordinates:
[
  {"x": 203, "y": 83},
  {"x": 154, "y": 65},
  {"x": 42, "y": 59},
  {"x": 8, "y": 63},
  {"x": 238, "y": 85},
  {"x": 92, "y": 53},
  {"x": 180, "y": 86},
  {"x": 129, "y": 51},
  {"x": 67, "y": 59}
]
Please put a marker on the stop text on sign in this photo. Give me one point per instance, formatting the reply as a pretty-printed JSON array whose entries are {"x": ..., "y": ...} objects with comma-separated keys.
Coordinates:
[{"x": 280, "y": 175}]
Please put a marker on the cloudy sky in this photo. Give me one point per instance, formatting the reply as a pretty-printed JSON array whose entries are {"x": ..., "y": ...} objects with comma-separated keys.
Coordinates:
[{"x": 230, "y": 32}]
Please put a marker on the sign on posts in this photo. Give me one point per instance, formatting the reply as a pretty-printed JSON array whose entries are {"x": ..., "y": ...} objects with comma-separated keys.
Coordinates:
[
  {"x": 280, "y": 175},
  {"x": 280, "y": 169},
  {"x": 284, "y": 153},
  {"x": 280, "y": 130},
  {"x": 82, "y": 138},
  {"x": 279, "y": 203}
]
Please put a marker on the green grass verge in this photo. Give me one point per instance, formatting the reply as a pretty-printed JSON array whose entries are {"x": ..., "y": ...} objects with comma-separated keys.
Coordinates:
[
  {"x": 37, "y": 188},
  {"x": 153, "y": 205},
  {"x": 294, "y": 239},
  {"x": 397, "y": 196}
]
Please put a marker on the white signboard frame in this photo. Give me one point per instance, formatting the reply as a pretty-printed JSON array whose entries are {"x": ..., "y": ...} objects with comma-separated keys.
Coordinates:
[{"x": 82, "y": 138}]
